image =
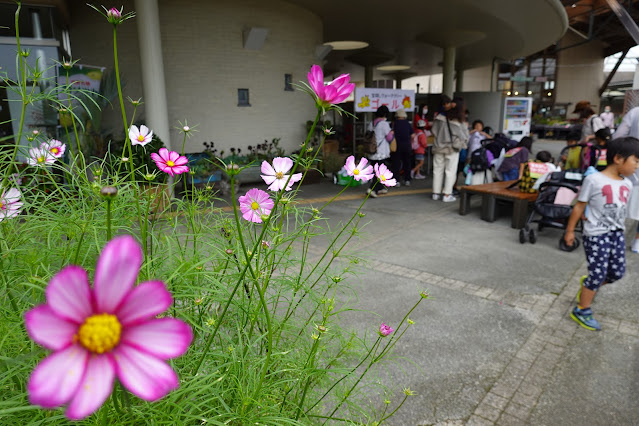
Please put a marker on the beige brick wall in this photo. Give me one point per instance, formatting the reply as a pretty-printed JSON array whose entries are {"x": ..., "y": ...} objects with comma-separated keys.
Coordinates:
[{"x": 205, "y": 63}]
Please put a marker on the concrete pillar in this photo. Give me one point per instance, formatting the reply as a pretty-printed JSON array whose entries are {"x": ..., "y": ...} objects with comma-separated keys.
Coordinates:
[
  {"x": 155, "y": 106},
  {"x": 368, "y": 76},
  {"x": 635, "y": 80},
  {"x": 449, "y": 71},
  {"x": 459, "y": 82}
]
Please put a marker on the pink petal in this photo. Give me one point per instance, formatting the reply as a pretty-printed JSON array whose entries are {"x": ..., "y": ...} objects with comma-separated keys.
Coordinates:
[
  {"x": 163, "y": 338},
  {"x": 95, "y": 388},
  {"x": 316, "y": 80},
  {"x": 164, "y": 153},
  {"x": 362, "y": 163},
  {"x": 350, "y": 165},
  {"x": 68, "y": 294},
  {"x": 155, "y": 157},
  {"x": 329, "y": 94},
  {"x": 340, "y": 82},
  {"x": 276, "y": 185},
  {"x": 144, "y": 375},
  {"x": 116, "y": 272},
  {"x": 173, "y": 156},
  {"x": 55, "y": 380},
  {"x": 178, "y": 170},
  {"x": 134, "y": 133},
  {"x": 144, "y": 130},
  {"x": 48, "y": 329},
  {"x": 144, "y": 302},
  {"x": 267, "y": 169},
  {"x": 342, "y": 95},
  {"x": 181, "y": 160},
  {"x": 11, "y": 196},
  {"x": 268, "y": 179},
  {"x": 282, "y": 164}
]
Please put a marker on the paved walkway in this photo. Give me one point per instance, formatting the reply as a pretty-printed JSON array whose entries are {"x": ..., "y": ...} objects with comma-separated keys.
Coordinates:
[{"x": 495, "y": 345}]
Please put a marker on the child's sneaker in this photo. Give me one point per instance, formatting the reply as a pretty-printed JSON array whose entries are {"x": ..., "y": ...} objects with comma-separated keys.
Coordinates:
[
  {"x": 382, "y": 191},
  {"x": 634, "y": 247},
  {"x": 371, "y": 193},
  {"x": 581, "y": 287},
  {"x": 449, "y": 198},
  {"x": 419, "y": 176},
  {"x": 584, "y": 318},
  {"x": 437, "y": 197}
]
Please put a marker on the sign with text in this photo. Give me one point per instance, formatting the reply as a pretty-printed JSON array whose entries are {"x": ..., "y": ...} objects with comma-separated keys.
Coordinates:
[{"x": 368, "y": 99}]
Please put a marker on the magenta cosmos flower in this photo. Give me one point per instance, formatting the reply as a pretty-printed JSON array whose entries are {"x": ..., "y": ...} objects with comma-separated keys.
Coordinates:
[
  {"x": 360, "y": 172},
  {"x": 102, "y": 332},
  {"x": 384, "y": 175},
  {"x": 10, "y": 203},
  {"x": 54, "y": 147},
  {"x": 332, "y": 93},
  {"x": 140, "y": 136},
  {"x": 40, "y": 157},
  {"x": 255, "y": 204},
  {"x": 170, "y": 162},
  {"x": 385, "y": 330},
  {"x": 276, "y": 176}
]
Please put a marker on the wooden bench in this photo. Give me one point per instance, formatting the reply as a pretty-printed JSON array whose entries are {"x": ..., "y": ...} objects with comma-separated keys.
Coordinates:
[{"x": 491, "y": 192}]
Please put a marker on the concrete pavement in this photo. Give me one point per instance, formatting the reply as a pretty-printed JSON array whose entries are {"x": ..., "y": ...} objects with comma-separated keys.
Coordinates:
[{"x": 495, "y": 345}]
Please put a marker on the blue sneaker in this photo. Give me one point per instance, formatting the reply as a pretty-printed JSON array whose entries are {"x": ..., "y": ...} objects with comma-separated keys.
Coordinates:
[{"x": 584, "y": 318}]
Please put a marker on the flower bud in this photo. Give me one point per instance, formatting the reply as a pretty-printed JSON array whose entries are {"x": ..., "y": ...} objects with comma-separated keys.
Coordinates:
[
  {"x": 198, "y": 301},
  {"x": 97, "y": 171},
  {"x": 186, "y": 129},
  {"x": 149, "y": 176},
  {"x": 322, "y": 329},
  {"x": 264, "y": 217},
  {"x": 108, "y": 192},
  {"x": 125, "y": 159},
  {"x": 229, "y": 251},
  {"x": 114, "y": 16}
]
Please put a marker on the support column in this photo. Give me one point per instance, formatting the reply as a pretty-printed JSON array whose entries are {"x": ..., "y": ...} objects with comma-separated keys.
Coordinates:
[
  {"x": 368, "y": 76},
  {"x": 449, "y": 71},
  {"x": 155, "y": 106},
  {"x": 459, "y": 82}
]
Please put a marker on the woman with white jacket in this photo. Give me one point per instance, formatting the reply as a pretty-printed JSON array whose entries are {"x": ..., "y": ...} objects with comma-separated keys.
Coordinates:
[{"x": 451, "y": 136}]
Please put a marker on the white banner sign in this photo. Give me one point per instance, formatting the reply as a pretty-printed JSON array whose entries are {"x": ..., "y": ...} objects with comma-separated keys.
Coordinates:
[{"x": 368, "y": 99}]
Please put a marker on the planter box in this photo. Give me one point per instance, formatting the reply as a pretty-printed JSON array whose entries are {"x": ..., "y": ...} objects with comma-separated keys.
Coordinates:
[{"x": 250, "y": 175}]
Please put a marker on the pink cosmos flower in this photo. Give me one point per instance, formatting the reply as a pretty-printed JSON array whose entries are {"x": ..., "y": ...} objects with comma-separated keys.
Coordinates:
[
  {"x": 55, "y": 147},
  {"x": 384, "y": 175},
  {"x": 170, "y": 162},
  {"x": 10, "y": 203},
  {"x": 334, "y": 92},
  {"x": 40, "y": 157},
  {"x": 360, "y": 172},
  {"x": 385, "y": 330},
  {"x": 276, "y": 176},
  {"x": 114, "y": 15},
  {"x": 255, "y": 204},
  {"x": 102, "y": 332},
  {"x": 140, "y": 136}
]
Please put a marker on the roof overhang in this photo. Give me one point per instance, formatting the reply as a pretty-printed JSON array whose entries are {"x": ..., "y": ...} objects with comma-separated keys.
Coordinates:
[{"x": 414, "y": 34}]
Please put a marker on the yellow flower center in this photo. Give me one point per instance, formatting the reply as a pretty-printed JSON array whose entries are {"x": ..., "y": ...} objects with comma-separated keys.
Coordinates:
[
  {"x": 254, "y": 205},
  {"x": 141, "y": 138},
  {"x": 1, "y": 206},
  {"x": 54, "y": 150},
  {"x": 41, "y": 159},
  {"x": 170, "y": 163},
  {"x": 100, "y": 333},
  {"x": 355, "y": 172},
  {"x": 279, "y": 175},
  {"x": 383, "y": 178}
]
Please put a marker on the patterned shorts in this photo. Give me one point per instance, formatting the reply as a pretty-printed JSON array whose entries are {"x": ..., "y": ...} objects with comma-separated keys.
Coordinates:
[{"x": 606, "y": 257}]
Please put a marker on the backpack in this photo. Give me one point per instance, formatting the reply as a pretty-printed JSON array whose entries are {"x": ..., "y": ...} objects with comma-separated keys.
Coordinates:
[
  {"x": 533, "y": 170},
  {"x": 370, "y": 141},
  {"x": 414, "y": 142},
  {"x": 479, "y": 160}
]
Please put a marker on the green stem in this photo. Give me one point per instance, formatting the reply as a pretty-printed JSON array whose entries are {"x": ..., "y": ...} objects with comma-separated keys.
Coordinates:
[
  {"x": 108, "y": 219},
  {"x": 127, "y": 141}
]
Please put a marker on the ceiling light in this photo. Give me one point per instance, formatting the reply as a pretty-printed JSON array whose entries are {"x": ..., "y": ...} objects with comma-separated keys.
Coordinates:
[
  {"x": 530, "y": 92},
  {"x": 393, "y": 67},
  {"x": 549, "y": 93},
  {"x": 508, "y": 93},
  {"x": 346, "y": 44},
  {"x": 516, "y": 93}
]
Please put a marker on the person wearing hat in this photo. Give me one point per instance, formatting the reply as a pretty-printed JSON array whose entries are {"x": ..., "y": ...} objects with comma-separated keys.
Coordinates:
[
  {"x": 591, "y": 121},
  {"x": 402, "y": 158},
  {"x": 420, "y": 152}
]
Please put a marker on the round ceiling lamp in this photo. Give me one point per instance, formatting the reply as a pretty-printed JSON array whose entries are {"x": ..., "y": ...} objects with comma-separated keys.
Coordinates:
[
  {"x": 394, "y": 67},
  {"x": 346, "y": 44}
]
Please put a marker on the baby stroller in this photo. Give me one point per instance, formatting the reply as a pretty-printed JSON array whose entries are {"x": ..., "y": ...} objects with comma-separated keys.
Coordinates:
[{"x": 553, "y": 205}]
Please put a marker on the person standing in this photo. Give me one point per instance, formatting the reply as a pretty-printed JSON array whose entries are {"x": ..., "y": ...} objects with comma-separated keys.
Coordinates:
[
  {"x": 608, "y": 118},
  {"x": 420, "y": 115},
  {"x": 451, "y": 136},
  {"x": 591, "y": 121},
  {"x": 402, "y": 158},
  {"x": 383, "y": 136},
  {"x": 630, "y": 127},
  {"x": 420, "y": 151},
  {"x": 606, "y": 196}
]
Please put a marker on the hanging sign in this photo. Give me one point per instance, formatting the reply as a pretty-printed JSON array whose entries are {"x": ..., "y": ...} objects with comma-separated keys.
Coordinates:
[{"x": 368, "y": 99}]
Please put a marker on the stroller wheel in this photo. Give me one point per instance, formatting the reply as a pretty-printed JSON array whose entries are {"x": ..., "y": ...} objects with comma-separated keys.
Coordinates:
[
  {"x": 532, "y": 236},
  {"x": 522, "y": 236}
]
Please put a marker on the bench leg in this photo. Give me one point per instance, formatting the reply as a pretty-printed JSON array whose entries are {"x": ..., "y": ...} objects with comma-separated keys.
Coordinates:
[
  {"x": 520, "y": 214},
  {"x": 488, "y": 210},
  {"x": 464, "y": 203}
]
